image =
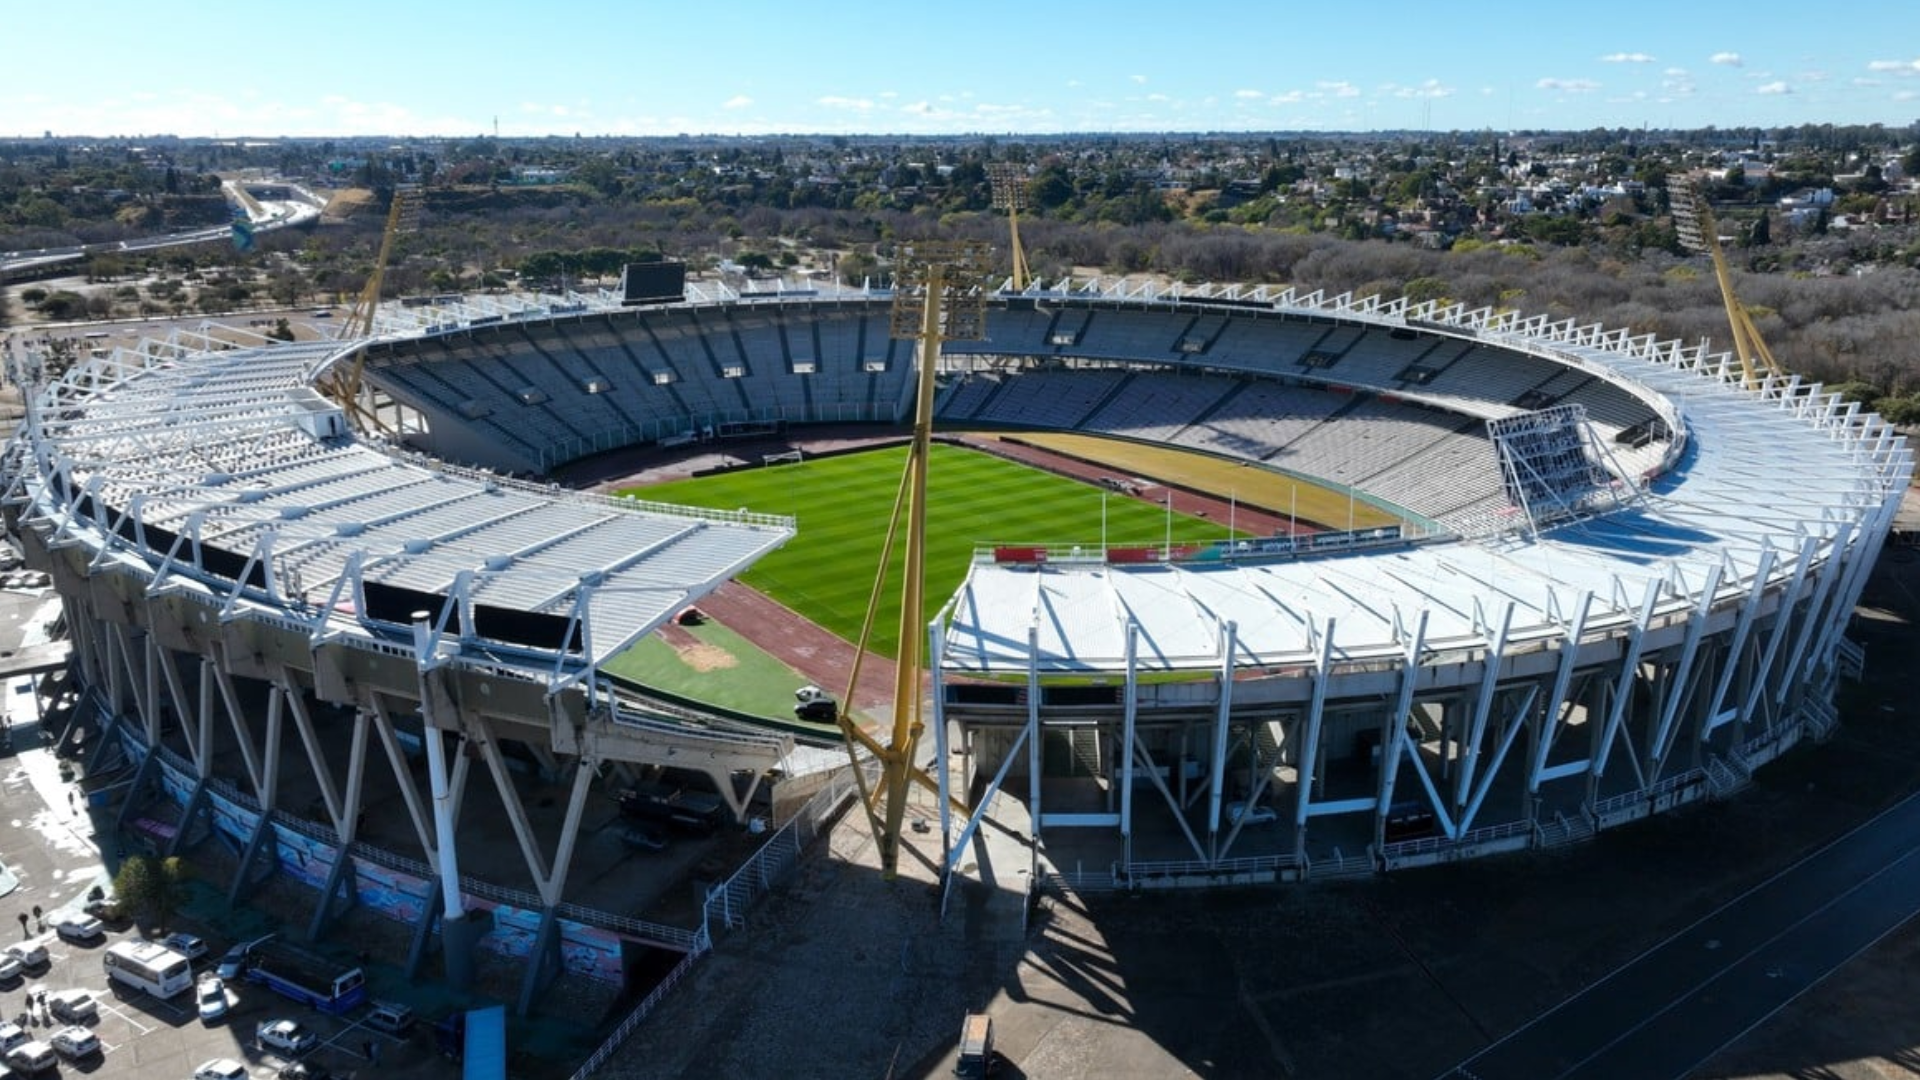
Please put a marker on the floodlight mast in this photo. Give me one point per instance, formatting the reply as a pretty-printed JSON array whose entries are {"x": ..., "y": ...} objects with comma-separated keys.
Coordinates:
[
  {"x": 939, "y": 294},
  {"x": 1693, "y": 221},
  {"x": 345, "y": 385},
  {"x": 1010, "y": 193}
]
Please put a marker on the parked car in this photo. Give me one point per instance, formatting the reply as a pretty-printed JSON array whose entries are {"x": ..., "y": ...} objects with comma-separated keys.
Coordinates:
[
  {"x": 73, "y": 1006},
  {"x": 1256, "y": 814},
  {"x": 32, "y": 1056},
  {"x": 75, "y": 1042},
  {"x": 286, "y": 1036},
  {"x": 391, "y": 1017},
  {"x": 643, "y": 838},
  {"x": 77, "y": 927},
  {"x": 10, "y": 967},
  {"x": 301, "y": 1070},
  {"x": 32, "y": 955},
  {"x": 211, "y": 996},
  {"x": 220, "y": 1069},
  {"x": 11, "y": 1035},
  {"x": 186, "y": 945}
]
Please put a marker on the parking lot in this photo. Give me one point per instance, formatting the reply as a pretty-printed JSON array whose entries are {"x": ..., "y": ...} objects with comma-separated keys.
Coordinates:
[{"x": 52, "y": 861}]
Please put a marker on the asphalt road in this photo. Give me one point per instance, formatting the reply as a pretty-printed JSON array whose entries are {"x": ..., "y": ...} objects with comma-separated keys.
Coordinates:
[{"x": 1682, "y": 1001}]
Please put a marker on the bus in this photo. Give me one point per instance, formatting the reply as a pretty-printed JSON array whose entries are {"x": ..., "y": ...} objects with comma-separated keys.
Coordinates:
[
  {"x": 306, "y": 977},
  {"x": 146, "y": 966}
]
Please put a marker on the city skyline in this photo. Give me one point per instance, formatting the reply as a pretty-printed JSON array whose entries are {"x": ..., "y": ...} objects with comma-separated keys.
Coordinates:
[{"x": 753, "y": 68}]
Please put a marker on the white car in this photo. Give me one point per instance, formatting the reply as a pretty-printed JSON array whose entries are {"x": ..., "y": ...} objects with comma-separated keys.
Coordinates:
[
  {"x": 1257, "y": 814},
  {"x": 186, "y": 945},
  {"x": 11, "y": 1035},
  {"x": 32, "y": 1057},
  {"x": 75, "y": 1042},
  {"x": 10, "y": 967},
  {"x": 73, "y": 1006},
  {"x": 212, "y": 997},
  {"x": 77, "y": 927},
  {"x": 286, "y": 1036},
  {"x": 220, "y": 1069},
  {"x": 30, "y": 954}
]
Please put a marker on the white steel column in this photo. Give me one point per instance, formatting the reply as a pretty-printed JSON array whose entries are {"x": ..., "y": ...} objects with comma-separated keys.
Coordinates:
[
  {"x": 1829, "y": 576},
  {"x": 1035, "y": 759},
  {"x": 1782, "y": 625},
  {"x": 1623, "y": 687},
  {"x": 1217, "y": 768},
  {"x": 1571, "y": 633},
  {"x": 1677, "y": 686},
  {"x": 1310, "y": 748},
  {"x": 450, "y": 903},
  {"x": 1394, "y": 733},
  {"x": 1130, "y": 708},
  {"x": 1470, "y": 745},
  {"x": 1749, "y": 611},
  {"x": 942, "y": 751}
]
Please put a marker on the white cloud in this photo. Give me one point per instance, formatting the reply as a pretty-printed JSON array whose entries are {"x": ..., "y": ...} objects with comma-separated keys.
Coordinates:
[
  {"x": 1730, "y": 59},
  {"x": 1570, "y": 86},
  {"x": 1903, "y": 66},
  {"x": 1139, "y": 79},
  {"x": 1775, "y": 87},
  {"x": 835, "y": 102},
  {"x": 1339, "y": 88},
  {"x": 737, "y": 101},
  {"x": 1626, "y": 58},
  {"x": 1432, "y": 88},
  {"x": 1905, "y": 95},
  {"x": 1291, "y": 97},
  {"x": 1249, "y": 95}
]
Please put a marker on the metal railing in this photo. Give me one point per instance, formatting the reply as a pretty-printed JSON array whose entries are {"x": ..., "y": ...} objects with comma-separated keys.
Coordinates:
[
  {"x": 1137, "y": 872},
  {"x": 1405, "y": 849},
  {"x": 728, "y": 901},
  {"x": 702, "y": 945}
]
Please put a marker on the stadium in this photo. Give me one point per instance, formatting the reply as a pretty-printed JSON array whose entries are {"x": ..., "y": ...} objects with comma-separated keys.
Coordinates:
[{"x": 1619, "y": 581}]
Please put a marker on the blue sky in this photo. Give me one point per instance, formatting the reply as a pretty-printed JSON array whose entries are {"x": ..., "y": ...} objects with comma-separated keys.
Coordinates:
[{"x": 349, "y": 67}]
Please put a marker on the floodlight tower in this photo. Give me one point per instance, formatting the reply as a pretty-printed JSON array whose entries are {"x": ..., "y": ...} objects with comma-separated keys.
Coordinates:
[
  {"x": 1011, "y": 193},
  {"x": 1693, "y": 220},
  {"x": 345, "y": 387},
  {"x": 939, "y": 294}
]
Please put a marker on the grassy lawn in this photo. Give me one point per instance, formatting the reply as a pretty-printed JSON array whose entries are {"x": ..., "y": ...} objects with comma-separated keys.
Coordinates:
[
  {"x": 843, "y": 503},
  {"x": 725, "y": 669}
]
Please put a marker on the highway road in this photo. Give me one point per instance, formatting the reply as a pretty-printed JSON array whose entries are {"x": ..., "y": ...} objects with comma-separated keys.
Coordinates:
[
  {"x": 1682, "y": 1001},
  {"x": 271, "y": 215}
]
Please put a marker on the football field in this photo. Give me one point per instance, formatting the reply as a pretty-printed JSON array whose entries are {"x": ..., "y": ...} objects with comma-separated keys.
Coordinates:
[{"x": 843, "y": 505}]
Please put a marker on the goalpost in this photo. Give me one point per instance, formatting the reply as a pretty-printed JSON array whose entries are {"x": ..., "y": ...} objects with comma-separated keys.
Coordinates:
[{"x": 795, "y": 456}]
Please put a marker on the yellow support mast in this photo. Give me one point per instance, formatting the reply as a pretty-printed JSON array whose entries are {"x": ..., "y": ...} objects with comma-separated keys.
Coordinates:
[
  {"x": 345, "y": 387},
  {"x": 1693, "y": 220},
  {"x": 1010, "y": 193},
  {"x": 939, "y": 294}
]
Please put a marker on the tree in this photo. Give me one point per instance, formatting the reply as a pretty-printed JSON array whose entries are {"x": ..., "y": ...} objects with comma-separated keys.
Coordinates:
[{"x": 152, "y": 886}]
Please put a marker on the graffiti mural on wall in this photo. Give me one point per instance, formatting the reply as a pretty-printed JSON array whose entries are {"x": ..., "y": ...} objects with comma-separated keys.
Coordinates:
[{"x": 394, "y": 894}]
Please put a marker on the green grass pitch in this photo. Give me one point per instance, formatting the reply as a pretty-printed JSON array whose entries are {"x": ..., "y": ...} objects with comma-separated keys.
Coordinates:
[{"x": 842, "y": 505}]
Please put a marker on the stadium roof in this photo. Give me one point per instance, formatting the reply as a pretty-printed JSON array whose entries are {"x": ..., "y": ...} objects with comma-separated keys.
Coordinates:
[
  {"x": 222, "y": 472},
  {"x": 1764, "y": 472}
]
